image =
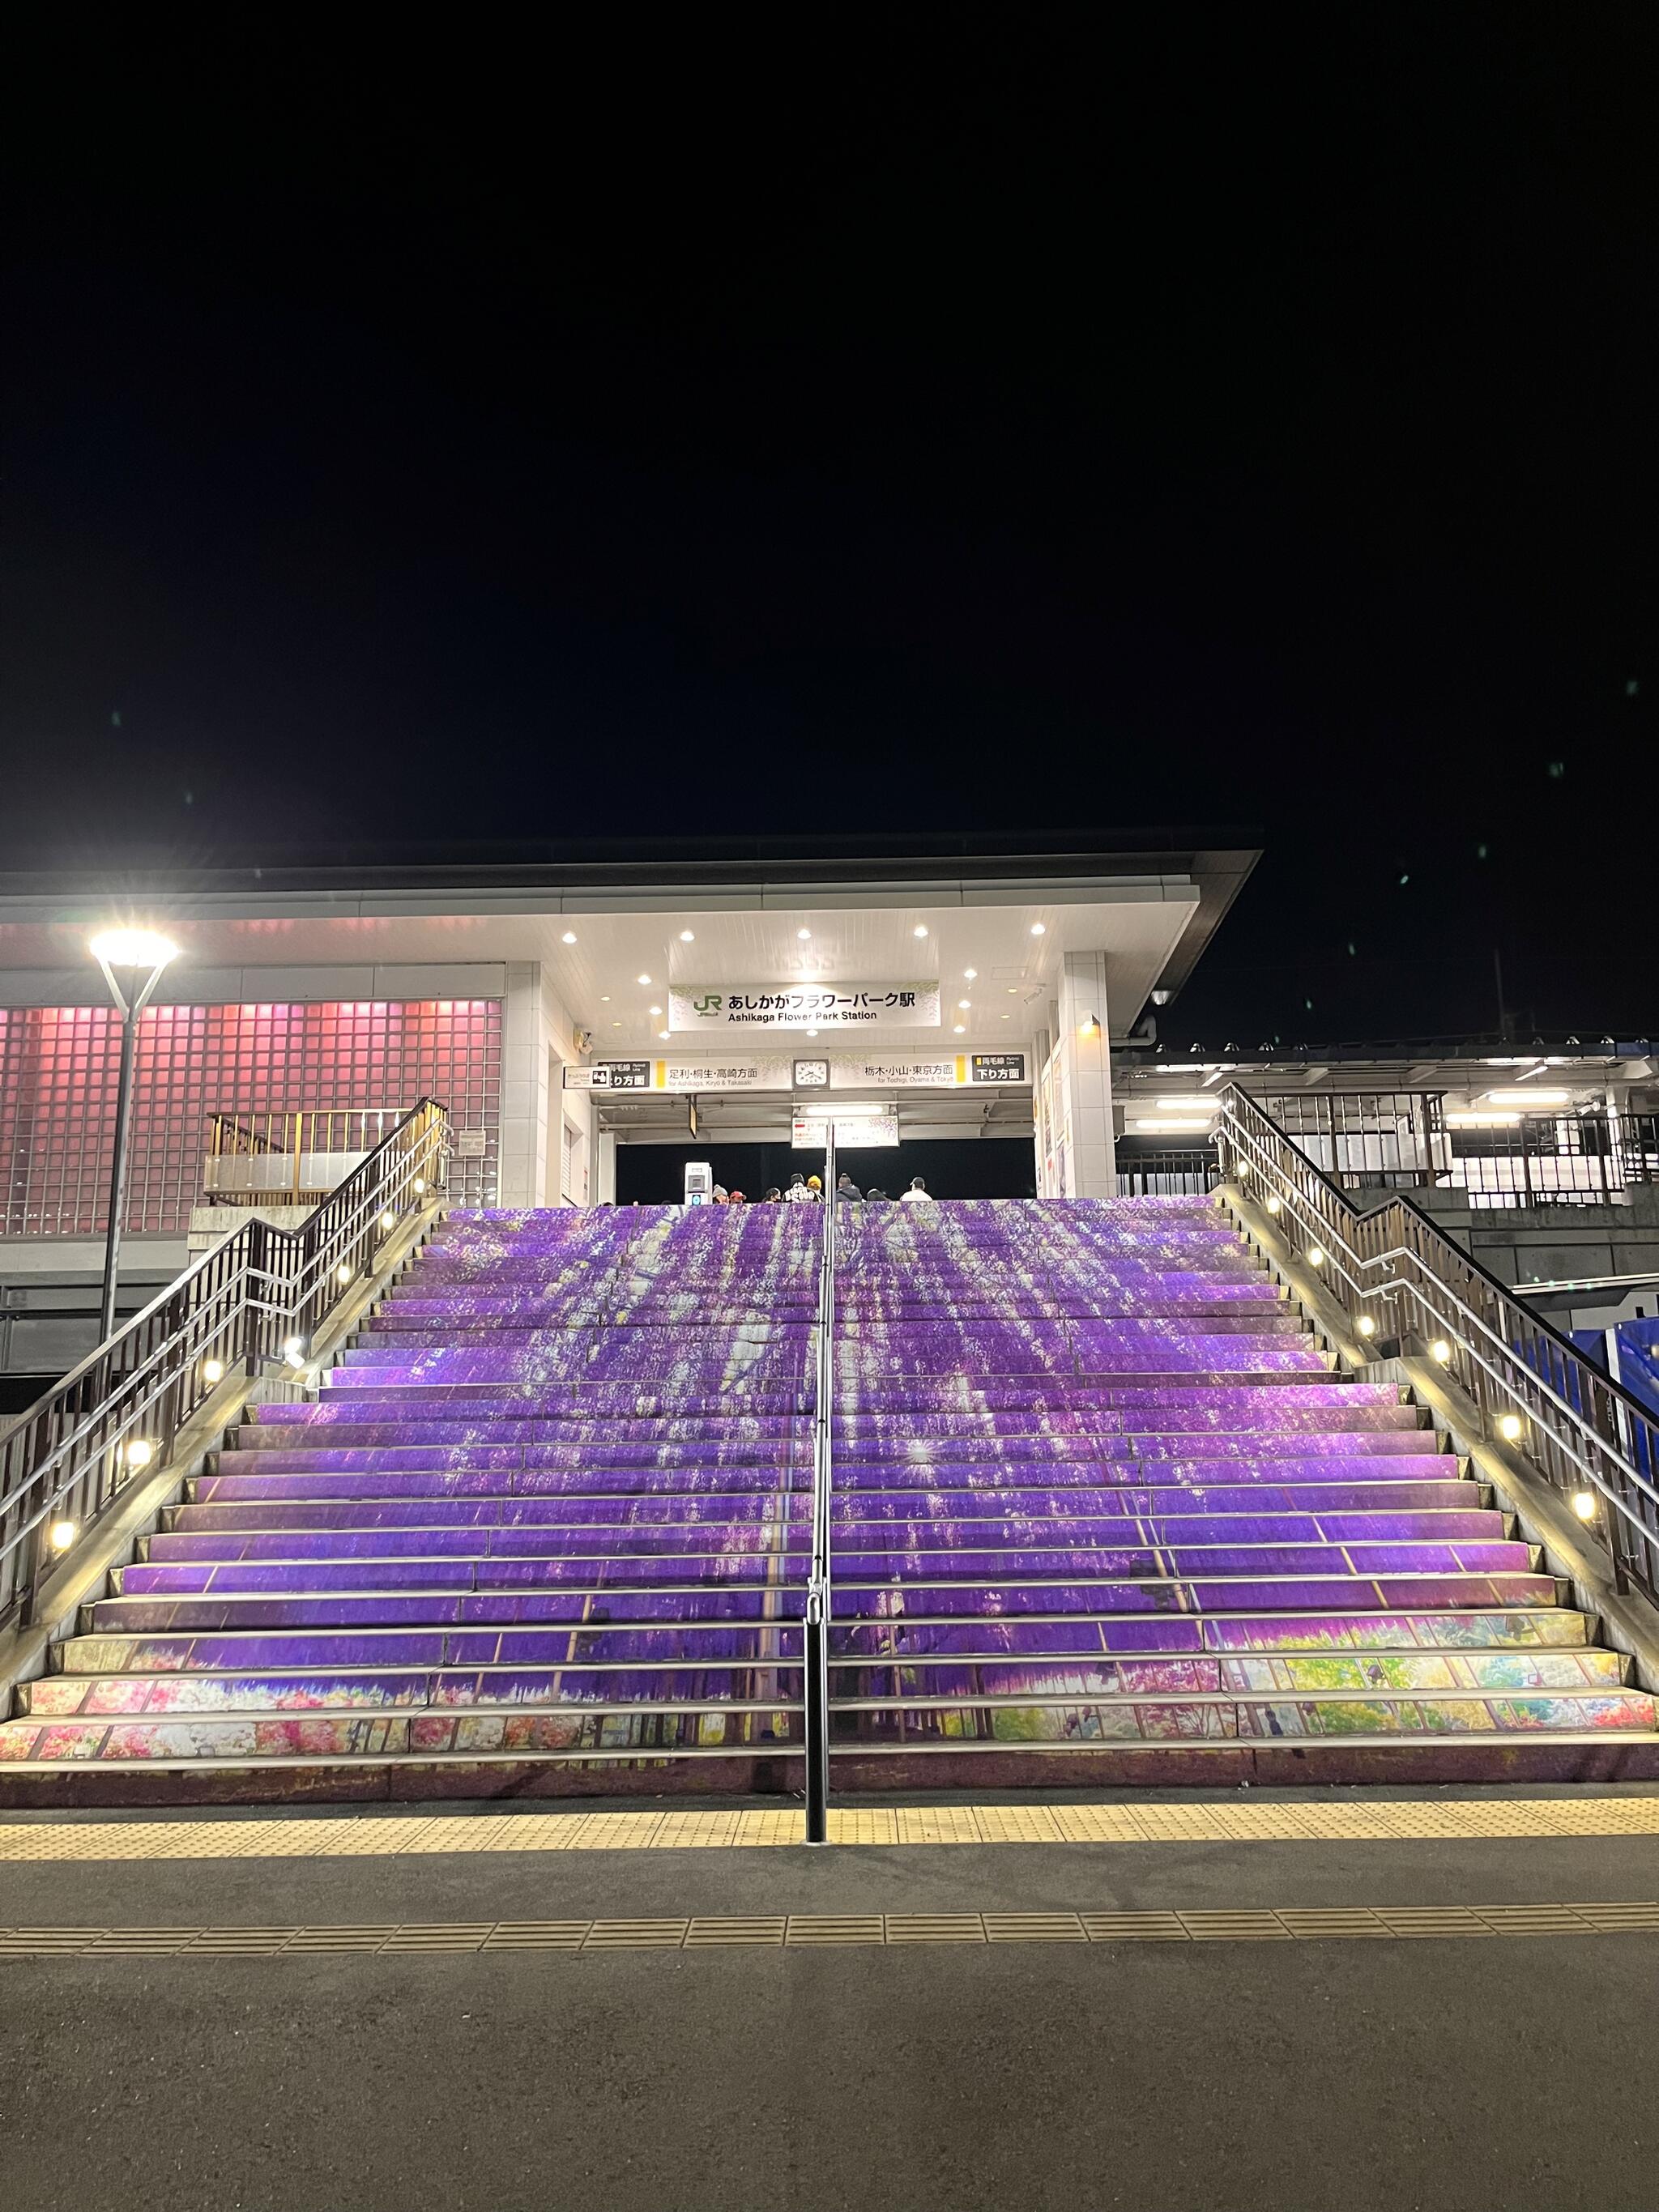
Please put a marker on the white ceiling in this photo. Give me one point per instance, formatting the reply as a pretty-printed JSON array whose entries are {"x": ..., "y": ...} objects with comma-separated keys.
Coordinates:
[{"x": 867, "y": 937}]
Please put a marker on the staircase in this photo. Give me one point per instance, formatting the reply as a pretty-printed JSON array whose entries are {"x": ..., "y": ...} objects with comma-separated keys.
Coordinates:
[{"x": 1103, "y": 1514}]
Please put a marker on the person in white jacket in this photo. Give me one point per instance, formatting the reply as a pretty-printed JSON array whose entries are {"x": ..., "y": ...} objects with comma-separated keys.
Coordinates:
[{"x": 918, "y": 1193}]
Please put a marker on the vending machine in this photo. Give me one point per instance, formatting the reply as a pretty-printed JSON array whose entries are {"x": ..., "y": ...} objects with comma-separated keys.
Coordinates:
[{"x": 699, "y": 1184}]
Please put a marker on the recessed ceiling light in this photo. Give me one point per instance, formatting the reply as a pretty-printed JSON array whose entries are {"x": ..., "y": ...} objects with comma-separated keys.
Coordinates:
[
  {"x": 921, "y": 930},
  {"x": 1039, "y": 929},
  {"x": 968, "y": 974},
  {"x": 605, "y": 998},
  {"x": 688, "y": 937},
  {"x": 662, "y": 1033},
  {"x": 811, "y": 1032},
  {"x": 961, "y": 1029},
  {"x": 1013, "y": 990},
  {"x": 641, "y": 979},
  {"x": 1005, "y": 1017},
  {"x": 569, "y": 937},
  {"x": 654, "y": 1010},
  {"x": 615, "y": 1026},
  {"x": 962, "y": 1004},
  {"x": 803, "y": 934}
]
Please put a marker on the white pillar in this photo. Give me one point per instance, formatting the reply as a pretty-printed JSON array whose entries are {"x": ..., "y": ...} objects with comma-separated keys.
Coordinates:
[
  {"x": 604, "y": 1189},
  {"x": 523, "y": 1176},
  {"x": 1085, "y": 1160}
]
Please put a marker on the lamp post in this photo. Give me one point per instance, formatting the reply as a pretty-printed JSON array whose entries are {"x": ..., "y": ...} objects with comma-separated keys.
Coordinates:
[{"x": 133, "y": 961}]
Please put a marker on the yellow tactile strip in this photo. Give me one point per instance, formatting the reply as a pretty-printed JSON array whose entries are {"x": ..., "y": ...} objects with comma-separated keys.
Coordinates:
[
  {"x": 1379, "y": 1820},
  {"x": 797, "y": 1930}
]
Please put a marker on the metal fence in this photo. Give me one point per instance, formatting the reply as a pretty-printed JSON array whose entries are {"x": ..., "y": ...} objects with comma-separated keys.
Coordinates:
[
  {"x": 1402, "y": 1280},
  {"x": 259, "y": 1294},
  {"x": 289, "y": 1154},
  {"x": 1406, "y": 1140}
]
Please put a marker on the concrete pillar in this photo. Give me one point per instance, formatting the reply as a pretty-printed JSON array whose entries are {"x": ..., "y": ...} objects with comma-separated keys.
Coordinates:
[
  {"x": 1085, "y": 1157},
  {"x": 523, "y": 1171}
]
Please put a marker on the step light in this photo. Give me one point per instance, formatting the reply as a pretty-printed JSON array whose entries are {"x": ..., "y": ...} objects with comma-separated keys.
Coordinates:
[
  {"x": 138, "y": 1451},
  {"x": 388, "y": 1221},
  {"x": 61, "y": 1535},
  {"x": 1272, "y": 1206},
  {"x": 295, "y": 1351},
  {"x": 1440, "y": 1350},
  {"x": 1366, "y": 1325},
  {"x": 213, "y": 1370},
  {"x": 1316, "y": 1255},
  {"x": 1583, "y": 1504},
  {"x": 420, "y": 1186},
  {"x": 1510, "y": 1426}
]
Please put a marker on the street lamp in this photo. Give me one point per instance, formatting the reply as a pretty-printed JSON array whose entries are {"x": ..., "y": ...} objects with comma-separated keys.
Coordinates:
[{"x": 133, "y": 961}]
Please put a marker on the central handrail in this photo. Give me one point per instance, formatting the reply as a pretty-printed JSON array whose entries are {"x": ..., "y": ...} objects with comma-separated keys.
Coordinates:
[
  {"x": 1530, "y": 1384},
  {"x": 817, "y": 1587}
]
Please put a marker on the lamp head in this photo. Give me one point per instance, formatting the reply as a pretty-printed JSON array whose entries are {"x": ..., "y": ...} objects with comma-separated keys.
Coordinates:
[{"x": 133, "y": 948}]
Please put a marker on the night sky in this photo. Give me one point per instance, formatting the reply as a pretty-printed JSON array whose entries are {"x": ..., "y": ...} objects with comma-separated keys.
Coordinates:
[{"x": 931, "y": 420}]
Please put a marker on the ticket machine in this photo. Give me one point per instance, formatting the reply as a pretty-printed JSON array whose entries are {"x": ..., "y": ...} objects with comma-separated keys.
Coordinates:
[{"x": 699, "y": 1184}]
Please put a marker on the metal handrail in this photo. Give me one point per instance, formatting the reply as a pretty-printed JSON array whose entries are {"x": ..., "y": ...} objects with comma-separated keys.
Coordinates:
[
  {"x": 1584, "y": 1432},
  {"x": 818, "y": 1587},
  {"x": 259, "y": 1293}
]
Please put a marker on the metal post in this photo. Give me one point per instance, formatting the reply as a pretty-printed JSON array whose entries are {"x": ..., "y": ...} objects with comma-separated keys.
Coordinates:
[
  {"x": 816, "y": 1654},
  {"x": 118, "y": 1180}
]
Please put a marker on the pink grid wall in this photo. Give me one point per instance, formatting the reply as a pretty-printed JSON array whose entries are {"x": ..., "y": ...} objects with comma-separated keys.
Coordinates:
[{"x": 59, "y": 1065}]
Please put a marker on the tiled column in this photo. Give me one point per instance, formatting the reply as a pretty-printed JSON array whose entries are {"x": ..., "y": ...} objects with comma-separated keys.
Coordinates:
[
  {"x": 1085, "y": 1160},
  {"x": 523, "y": 1179}
]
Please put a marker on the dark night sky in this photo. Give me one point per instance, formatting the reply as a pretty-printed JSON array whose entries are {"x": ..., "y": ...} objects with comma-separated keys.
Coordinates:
[{"x": 951, "y": 420}]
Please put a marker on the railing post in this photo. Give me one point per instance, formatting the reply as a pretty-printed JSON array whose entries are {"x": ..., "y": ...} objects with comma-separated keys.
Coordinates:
[{"x": 816, "y": 1685}]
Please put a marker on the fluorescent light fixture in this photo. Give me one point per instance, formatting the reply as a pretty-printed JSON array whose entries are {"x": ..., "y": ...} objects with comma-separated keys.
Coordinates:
[
  {"x": 1188, "y": 1105},
  {"x": 1169, "y": 1124},
  {"x": 853, "y": 1110},
  {"x": 133, "y": 948},
  {"x": 1474, "y": 1119},
  {"x": 1529, "y": 1097}
]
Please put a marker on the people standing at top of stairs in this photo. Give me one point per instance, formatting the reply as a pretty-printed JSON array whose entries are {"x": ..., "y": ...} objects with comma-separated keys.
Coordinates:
[
  {"x": 803, "y": 1192},
  {"x": 845, "y": 1188},
  {"x": 917, "y": 1194}
]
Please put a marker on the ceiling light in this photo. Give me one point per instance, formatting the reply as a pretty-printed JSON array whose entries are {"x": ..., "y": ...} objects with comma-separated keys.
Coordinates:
[
  {"x": 968, "y": 974},
  {"x": 960, "y": 1030},
  {"x": 688, "y": 937},
  {"x": 1005, "y": 1017},
  {"x": 133, "y": 948},
  {"x": 569, "y": 937},
  {"x": 811, "y": 1032},
  {"x": 1496, "y": 1120},
  {"x": 1039, "y": 929},
  {"x": 1188, "y": 1105},
  {"x": 1529, "y": 1097},
  {"x": 615, "y": 1026},
  {"x": 605, "y": 998},
  {"x": 1168, "y": 1124},
  {"x": 921, "y": 930},
  {"x": 643, "y": 979},
  {"x": 962, "y": 1004},
  {"x": 803, "y": 934},
  {"x": 654, "y": 1010},
  {"x": 662, "y": 1033}
]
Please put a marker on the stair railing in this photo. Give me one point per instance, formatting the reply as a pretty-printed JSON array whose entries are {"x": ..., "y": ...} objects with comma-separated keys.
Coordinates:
[
  {"x": 258, "y": 1294},
  {"x": 1405, "y": 1285},
  {"x": 816, "y": 1625}
]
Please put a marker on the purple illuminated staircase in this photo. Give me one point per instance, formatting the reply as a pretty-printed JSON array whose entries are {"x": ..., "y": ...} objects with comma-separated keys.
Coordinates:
[{"x": 1102, "y": 1513}]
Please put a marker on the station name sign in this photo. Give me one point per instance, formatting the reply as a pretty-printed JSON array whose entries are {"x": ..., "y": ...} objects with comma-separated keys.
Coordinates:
[
  {"x": 799, "y": 1073},
  {"x": 741, "y": 1008}
]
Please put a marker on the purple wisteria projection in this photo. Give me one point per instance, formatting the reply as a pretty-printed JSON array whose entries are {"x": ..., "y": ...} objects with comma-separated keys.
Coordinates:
[{"x": 1098, "y": 1494}]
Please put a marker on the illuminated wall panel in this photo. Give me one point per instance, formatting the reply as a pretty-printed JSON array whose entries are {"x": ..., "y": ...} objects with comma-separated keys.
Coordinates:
[{"x": 58, "y": 1067}]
